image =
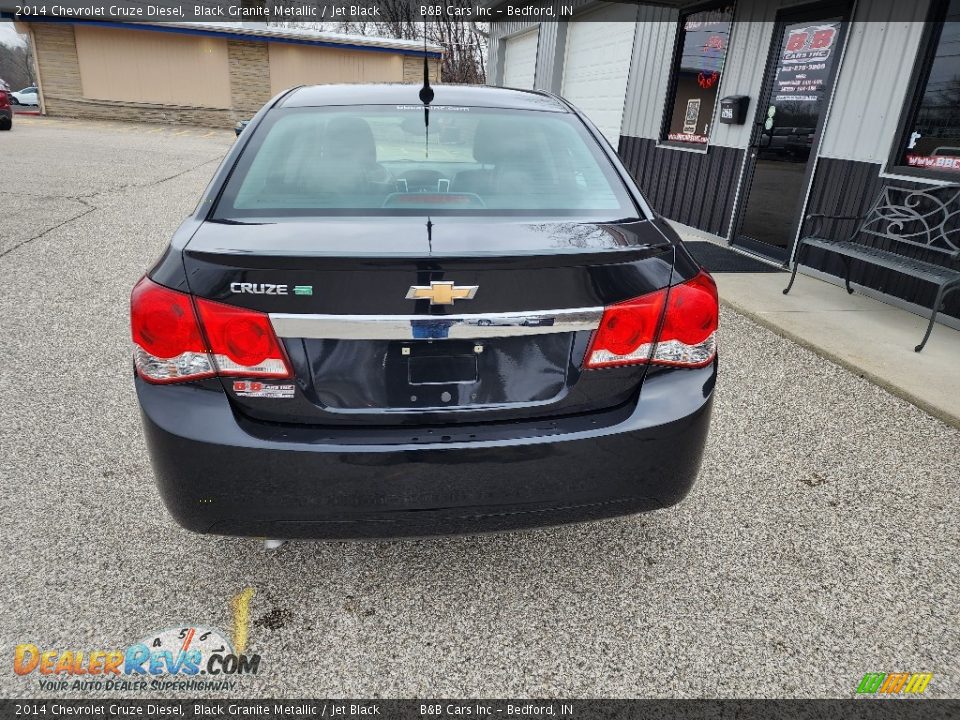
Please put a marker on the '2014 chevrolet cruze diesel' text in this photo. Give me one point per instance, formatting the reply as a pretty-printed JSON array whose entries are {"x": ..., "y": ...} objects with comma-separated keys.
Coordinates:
[{"x": 387, "y": 318}]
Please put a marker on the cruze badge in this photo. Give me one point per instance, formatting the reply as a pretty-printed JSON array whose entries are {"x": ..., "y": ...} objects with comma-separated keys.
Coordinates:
[
  {"x": 442, "y": 292},
  {"x": 258, "y": 288},
  {"x": 269, "y": 289}
]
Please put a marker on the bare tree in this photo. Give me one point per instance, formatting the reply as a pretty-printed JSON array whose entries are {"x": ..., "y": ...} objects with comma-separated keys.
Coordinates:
[
  {"x": 16, "y": 66},
  {"x": 464, "y": 42}
]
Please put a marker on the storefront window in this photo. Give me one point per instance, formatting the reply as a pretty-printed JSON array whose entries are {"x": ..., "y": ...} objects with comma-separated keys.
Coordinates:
[
  {"x": 932, "y": 139},
  {"x": 697, "y": 67}
]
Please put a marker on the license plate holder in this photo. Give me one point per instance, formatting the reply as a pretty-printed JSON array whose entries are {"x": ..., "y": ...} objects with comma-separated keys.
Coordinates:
[{"x": 442, "y": 370}]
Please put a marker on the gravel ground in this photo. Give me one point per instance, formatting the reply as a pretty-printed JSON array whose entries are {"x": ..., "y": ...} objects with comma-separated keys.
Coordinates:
[{"x": 819, "y": 544}]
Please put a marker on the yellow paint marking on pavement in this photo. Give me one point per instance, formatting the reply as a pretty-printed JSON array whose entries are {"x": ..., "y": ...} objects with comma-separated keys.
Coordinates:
[
  {"x": 240, "y": 604},
  {"x": 182, "y": 132}
]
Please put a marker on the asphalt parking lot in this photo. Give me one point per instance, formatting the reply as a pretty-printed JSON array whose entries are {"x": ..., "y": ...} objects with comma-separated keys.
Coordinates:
[{"x": 820, "y": 543}]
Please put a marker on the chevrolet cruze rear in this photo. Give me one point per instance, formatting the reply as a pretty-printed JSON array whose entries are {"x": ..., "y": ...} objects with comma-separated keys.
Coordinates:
[{"x": 372, "y": 326}]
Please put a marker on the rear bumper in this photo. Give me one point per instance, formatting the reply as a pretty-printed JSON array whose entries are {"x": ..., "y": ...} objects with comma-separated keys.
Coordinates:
[{"x": 216, "y": 477}]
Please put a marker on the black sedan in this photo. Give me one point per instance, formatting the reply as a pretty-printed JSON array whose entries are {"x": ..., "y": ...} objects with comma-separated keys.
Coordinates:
[{"x": 364, "y": 332}]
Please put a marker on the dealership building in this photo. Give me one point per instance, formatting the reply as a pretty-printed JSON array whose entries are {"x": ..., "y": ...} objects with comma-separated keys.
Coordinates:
[
  {"x": 201, "y": 74},
  {"x": 825, "y": 104}
]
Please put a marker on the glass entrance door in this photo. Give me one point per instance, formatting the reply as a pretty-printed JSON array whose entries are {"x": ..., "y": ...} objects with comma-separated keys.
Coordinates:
[{"x": 800, "y": 73}]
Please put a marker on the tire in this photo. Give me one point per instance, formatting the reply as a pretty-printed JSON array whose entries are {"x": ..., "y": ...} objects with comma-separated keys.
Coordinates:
[
  {"x": 6, "y": 124},
  {"x": 14, "y": 101}
]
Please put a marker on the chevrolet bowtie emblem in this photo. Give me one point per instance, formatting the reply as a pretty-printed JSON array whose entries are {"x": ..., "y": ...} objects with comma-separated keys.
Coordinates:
[{"x": 441, "y": 292}]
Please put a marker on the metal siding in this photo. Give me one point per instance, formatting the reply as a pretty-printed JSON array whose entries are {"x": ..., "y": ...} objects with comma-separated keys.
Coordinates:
[
  {"x": 750, "y": 37},
  {"x": 696, "y": 188},
  {"x": 874, "y": 80},
  {"x": 649, "y": 70},
  {"x": 653, "y": 55},
  {"x": 495, "y": 52},
  {"x": 546, "y": 57},
  {"x": 693, "y": 188}
]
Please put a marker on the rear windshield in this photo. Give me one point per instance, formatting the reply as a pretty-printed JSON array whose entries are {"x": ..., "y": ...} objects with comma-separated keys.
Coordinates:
[{"x": 382, "y": 160}]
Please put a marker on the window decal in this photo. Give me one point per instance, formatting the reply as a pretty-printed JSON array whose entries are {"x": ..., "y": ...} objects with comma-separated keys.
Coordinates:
[
  {"x": 696, "y": 73},
  {"x": 932, "y": 136}
]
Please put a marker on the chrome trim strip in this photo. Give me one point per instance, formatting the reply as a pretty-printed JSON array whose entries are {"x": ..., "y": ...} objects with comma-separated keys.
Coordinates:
[{"x": 435, "y": 327}]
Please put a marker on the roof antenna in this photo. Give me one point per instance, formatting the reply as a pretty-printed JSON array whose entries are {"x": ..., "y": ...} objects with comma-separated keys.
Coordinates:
[{"x": 426, "y": 93}]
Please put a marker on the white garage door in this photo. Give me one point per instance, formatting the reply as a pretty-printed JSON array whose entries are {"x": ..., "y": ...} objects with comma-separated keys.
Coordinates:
[
  {"x": 596, "y": 65},
  {"x": 520, "y": 60}
]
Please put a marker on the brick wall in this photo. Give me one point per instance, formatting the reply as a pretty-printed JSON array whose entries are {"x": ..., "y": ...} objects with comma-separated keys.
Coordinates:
[
  {"x": 59, "y": 69},
  {"x": 249, "y": 65},
  {"x": 249, "y": 77},
  {"x": 140, "y": 112},
  {"x": 413, "y": 69}
]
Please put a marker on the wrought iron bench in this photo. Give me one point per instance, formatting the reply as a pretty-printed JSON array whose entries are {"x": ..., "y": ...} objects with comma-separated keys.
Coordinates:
[{"x": 900, "y": 218}]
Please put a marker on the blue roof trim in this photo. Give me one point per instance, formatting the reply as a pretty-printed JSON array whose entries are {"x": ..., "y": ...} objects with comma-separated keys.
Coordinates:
[{"x": 204, "y": 32}]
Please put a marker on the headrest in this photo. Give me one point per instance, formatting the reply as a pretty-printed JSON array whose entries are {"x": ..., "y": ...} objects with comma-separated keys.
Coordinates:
[
  {"x": 349, "y": 138},
  {"x": 501, "y": 140}
]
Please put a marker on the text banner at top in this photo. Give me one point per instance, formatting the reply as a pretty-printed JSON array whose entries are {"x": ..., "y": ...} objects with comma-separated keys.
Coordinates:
[
  {"x": 389, "y": 12},
  {"x": 312, "y": 11}
]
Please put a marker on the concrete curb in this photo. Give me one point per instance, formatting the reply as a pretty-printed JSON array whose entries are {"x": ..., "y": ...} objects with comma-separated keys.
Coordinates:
[{"x": 945, "y": 417}]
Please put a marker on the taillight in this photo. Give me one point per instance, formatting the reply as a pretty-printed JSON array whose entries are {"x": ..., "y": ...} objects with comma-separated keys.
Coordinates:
[
  {"x": 689, "y": 334},
  {"x": 171, "y": 344},
  {"x": 242, "y": 341},
  {"x": 168, "y": 345},
  {"x": 628, "y": 331}
]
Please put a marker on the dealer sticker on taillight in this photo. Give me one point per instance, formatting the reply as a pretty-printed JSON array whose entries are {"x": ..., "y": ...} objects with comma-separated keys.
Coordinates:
[{"x": 258, "y": 389}]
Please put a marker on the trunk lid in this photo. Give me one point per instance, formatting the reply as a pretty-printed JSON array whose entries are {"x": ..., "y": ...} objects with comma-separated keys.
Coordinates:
[{"x": 356, "y": 304}]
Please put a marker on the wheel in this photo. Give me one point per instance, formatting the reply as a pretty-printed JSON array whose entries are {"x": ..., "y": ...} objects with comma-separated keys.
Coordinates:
[
  {"x": 14, "y": 101},
  {"x": 6, "y": 124}
]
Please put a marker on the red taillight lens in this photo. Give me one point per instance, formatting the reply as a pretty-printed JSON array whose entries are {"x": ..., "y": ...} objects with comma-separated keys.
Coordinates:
[
  {"x": 242, "y": 341},
  {"x": 689, "y": 334},
  {"x": 169, "y": 344},
  {"x": 628, "y": 331}
]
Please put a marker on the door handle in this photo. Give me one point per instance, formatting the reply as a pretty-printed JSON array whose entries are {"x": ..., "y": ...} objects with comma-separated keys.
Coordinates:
[{"x": 758, "y": 130}]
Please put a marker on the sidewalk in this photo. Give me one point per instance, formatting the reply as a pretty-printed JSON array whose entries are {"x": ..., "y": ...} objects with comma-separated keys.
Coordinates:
[{"x": 864, "y": 335}]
